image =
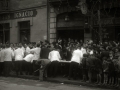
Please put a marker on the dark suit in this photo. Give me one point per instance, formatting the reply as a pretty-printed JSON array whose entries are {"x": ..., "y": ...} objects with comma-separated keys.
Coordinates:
[{"x": 44, "y": 62}]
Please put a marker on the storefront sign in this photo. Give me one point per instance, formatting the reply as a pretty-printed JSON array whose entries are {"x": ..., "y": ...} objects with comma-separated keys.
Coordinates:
[{"x": 20, "y": 14}]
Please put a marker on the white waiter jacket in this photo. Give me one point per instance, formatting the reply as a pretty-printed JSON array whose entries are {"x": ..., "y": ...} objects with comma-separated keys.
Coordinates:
[
  {"x": 77, "y": 56},
  {"x": 2, "y": 55},
  {"x": 36, "y": 52},
  {"x": 54, "y": 56},
  {"x": 28, "y": 58},
  {"x": 19, "y": 54},
  {"x": 8, "y": 54}
]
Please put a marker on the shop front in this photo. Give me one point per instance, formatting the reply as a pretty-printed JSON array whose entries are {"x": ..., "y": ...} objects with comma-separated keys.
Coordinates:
[
  {"x": 66, "y": 21},
  {"x": 28, "y": 25}
]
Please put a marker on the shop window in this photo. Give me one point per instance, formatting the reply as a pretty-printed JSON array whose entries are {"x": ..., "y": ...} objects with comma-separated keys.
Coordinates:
[
  {"x": 24, "y": 28},
  {"x": 5, "y": 33}
]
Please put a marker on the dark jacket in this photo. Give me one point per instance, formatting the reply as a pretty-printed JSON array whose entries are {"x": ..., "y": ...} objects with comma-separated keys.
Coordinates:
[{"x": 44, "y": 53}]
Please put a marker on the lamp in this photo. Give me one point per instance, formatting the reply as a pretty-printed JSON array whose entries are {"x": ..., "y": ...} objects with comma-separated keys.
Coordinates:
[{"x": 67, "y": 18}]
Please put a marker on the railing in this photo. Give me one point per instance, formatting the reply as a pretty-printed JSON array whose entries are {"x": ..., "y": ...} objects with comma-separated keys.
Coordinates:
[{"x": 4, "y": 5}]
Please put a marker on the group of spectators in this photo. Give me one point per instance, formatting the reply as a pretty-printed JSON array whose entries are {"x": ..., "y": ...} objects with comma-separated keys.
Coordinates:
[{"x": 89, "y": 61}]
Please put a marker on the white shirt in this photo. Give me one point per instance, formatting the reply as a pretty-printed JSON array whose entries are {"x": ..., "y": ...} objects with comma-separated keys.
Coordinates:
[
  {"x": 83, "y": 50},
  {"x": 2, "y": 55},
  {"x": 27, "y": 50},
  {"x": 28, "y": 58},
  {"x": 36, "y": 52},
  {"x": 91, "y": 52},
  {"x": 8, "y": 54},
  {"x": 54, "y": 56},
  {"x": 77, "y": 56},
  {"x": 19, "y": 54}
]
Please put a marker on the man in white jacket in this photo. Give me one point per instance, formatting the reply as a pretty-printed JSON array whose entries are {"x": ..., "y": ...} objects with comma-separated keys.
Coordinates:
[
  {"x": 54, "y": 57},
  {"x": 36, "y": 56},
  {"x": 75, "y": 61},
  {"x": 2, "y": 59},
  {"x": 8, "y": 56},
  {"x": 19, "y": 54}
]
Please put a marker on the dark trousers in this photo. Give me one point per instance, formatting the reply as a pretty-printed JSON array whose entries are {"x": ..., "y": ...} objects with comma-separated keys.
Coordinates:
[
  {"x": 29, "y": 69},
  {"x": 73, "y": 71},
  {"x": 18, "y": 67},
  {"x": 43, "y": 73},
  {"x": 36, "y": 67},
  {"x": 54, "y": 68},
  {"x": 7, "y": 67},
  {"x": 1, "y": 68}
]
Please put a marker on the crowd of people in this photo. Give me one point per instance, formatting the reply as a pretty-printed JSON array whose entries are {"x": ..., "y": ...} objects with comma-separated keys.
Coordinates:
[{"x": 89, "y": 61}]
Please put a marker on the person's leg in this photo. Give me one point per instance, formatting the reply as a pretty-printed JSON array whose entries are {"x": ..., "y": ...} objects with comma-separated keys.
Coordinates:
[
  {"x": 56, "y": 63},
  {"x": 76, "y": 65},
  {"x": 16, "y": 67},
  {"x": 41, "y": 73},
  {"x": 90, "y": 76},
  {"x": 0, "y": 68},
  {"x": 46, "y": 66},
  {"x": 9, "y": 64},
  {"x": 51, "y": 69},
  {"x": 70, "y": 70},
  {"x": 20, "y": 68}
]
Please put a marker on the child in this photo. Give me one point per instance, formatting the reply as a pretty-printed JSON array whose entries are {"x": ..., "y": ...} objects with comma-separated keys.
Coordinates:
[
  {"x": 84, "y": 67},
  {"x": 105, "y": 70}
]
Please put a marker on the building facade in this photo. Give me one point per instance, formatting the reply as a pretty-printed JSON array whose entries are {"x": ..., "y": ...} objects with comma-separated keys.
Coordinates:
[{"x": 23, "y": 21}]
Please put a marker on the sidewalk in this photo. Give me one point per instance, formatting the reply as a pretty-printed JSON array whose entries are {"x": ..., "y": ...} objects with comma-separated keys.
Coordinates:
[{"x": 66, "y": 81}]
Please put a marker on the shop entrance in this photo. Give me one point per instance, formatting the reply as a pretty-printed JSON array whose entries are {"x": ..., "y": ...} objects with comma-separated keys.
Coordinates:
[{"x": 73, "y": 34}]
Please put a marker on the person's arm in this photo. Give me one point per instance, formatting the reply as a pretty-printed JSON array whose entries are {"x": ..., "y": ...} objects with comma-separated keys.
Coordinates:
[
  {"x": 49, "y": 56},
  {"x": 31, "y": 51},
  {"x": 59, "y": 56},
  {"x": 12, "y": 53},
  {"x": 0, "y": 55},
  {"x": 22, "y": 53}
]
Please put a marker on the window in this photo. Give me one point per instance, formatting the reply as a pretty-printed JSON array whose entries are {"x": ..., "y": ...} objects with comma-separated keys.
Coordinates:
[
  {"x": 5, "y": 33},
  {"x": 24, "y": 29},
  {"x": 4, "y": 5}
]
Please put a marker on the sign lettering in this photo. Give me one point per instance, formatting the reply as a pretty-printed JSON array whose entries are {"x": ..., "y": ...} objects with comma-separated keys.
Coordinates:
[{"x": 20, "y": 14}]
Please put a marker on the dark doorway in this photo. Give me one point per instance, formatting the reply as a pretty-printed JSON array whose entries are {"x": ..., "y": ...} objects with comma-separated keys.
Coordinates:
[
  {"x": 24, "y": 28},
  {"x": 73, "y": 34},
  {"x": 4, "y": 33}
]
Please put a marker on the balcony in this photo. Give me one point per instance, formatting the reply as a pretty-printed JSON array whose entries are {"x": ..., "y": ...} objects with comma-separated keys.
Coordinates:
[{"x": 4, "y": 6}]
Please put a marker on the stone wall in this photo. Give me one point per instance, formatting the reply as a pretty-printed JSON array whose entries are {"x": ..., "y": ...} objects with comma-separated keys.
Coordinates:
[{"x": 22, "y": 4}]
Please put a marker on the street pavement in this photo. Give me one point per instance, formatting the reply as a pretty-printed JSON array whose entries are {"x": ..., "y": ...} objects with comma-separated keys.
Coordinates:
[{"x": 11, "y": 83}]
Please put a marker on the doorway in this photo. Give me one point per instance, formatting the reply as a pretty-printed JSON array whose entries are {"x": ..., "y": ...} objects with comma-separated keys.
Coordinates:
[
  {"x": 24, "y": 29},
  {"x": 72, "y": 34}
]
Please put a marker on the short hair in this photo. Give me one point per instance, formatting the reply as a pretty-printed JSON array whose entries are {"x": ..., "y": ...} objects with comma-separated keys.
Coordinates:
[
  {"x": 7, "y": 45},
  {"x": 38, "y": 45}
]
